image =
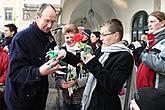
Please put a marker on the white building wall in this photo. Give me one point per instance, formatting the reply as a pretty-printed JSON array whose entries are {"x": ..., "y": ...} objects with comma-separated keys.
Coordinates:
[
  {"x": 1, "y": 16},
  {"x": 163, "y": 5},
  {"x": 18, "y": 6}
]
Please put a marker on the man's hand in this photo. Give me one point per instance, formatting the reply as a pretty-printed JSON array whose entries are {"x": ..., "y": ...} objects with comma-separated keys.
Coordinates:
[{"x": 49, "y": 68}]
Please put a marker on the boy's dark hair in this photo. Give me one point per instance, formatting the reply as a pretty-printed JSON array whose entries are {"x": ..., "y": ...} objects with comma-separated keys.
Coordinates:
[{"x": 12, "y": 27}]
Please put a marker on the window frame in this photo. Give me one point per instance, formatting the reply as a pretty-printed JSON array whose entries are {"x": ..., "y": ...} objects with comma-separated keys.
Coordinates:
[
  {"x": 8, "y": 13},
  {"x": 26, "y": 15}
]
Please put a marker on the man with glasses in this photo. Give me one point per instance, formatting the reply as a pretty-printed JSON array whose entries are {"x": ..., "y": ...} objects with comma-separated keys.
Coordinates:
[
  {"x": 27, "y": 79},
  {"x": 109, "y": 69}
]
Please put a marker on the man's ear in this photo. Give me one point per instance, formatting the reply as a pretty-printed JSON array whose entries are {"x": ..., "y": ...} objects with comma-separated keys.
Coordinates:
[
  {"x": 36, "y": 17},
  {"x": 117, "y": 35},
  {"x": 163, "y": 23},
  {"x": 12, "y": 32}
]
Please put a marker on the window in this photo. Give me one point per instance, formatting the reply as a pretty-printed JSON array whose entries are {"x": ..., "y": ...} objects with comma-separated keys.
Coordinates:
[
  {"x": 26, "y": 14},
  {"x": 8, "y": 13},
  {"x": 139, "y": 25}
]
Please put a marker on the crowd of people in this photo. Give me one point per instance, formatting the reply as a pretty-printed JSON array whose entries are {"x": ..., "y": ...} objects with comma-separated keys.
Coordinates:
[{"x": 91, "y": 68}]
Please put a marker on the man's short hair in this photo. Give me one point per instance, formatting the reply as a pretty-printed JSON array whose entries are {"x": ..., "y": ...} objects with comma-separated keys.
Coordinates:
[
  {"x": 43, "y": 7},
  {"x": 115, "y": 25}
]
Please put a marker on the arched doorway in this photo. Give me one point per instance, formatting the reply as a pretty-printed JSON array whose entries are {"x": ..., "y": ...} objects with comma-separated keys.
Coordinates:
[{"x": 139, "y": 25}]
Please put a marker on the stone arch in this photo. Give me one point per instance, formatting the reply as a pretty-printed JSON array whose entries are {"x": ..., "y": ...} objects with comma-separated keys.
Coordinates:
[{"x": 103, "y": 10}]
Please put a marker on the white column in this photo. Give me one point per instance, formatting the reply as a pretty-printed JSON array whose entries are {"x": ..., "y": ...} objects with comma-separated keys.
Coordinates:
[
  {"x": 1, "y": 16},
  {"x": 163, "y": 5}
]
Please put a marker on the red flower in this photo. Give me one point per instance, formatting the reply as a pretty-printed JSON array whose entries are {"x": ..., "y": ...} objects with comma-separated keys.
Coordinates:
[
  {"x": 83, "y": 46},
  {"x": 77, "y": 38}
]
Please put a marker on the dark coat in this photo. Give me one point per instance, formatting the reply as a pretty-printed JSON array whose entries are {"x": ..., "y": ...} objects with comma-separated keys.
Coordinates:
[
  {"x": 110, "y": 78},
  {"x": 25, "y": 88}
]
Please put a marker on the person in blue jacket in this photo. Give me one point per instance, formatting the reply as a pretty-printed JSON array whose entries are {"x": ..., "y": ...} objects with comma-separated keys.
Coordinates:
[{"x": 27, "y": 79}]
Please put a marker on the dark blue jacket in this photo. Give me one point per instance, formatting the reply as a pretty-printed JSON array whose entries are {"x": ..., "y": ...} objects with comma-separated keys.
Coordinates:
[{"x": 25, "y": 88}]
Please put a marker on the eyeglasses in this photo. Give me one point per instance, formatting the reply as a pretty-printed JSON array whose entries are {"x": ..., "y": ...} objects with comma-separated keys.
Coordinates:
[{"x": 110, "y": 33}]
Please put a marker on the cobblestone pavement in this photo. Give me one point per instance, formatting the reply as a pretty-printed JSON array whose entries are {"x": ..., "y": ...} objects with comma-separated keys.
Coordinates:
[{"x": 54, "y": 101}]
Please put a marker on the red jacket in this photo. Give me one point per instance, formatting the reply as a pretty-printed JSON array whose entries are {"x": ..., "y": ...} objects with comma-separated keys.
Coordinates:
[
  {"x": 4, "y": 60},
  {"x": 144, "y": 75}
]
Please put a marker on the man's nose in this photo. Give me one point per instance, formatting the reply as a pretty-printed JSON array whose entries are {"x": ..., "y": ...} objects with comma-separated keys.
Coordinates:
[
  {"x": 149, "y": 24},
  {"x": 50, "y": 25}
]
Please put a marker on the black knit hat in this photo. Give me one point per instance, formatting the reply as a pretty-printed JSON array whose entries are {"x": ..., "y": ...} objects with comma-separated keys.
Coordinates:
[
  {"x": 150, "y": 99},
  {"x": 87, "y": 32}
]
